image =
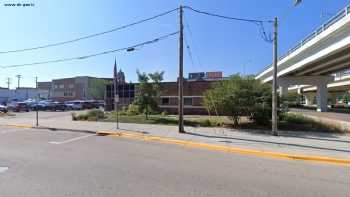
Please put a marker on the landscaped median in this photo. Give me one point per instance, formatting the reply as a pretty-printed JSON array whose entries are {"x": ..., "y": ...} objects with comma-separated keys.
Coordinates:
[
  {"x": 287, "y": 122},
  {"x": 230, "y": 149}
]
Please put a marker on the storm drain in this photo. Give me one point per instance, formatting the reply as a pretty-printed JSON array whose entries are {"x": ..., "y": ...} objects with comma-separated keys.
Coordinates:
[{"x": 3, "y": 169}]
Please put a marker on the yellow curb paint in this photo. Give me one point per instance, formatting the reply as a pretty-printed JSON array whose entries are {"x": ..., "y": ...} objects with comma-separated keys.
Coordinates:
[
  {"x": 18, "y": 126},
  {"x": 230, "y": 149}
]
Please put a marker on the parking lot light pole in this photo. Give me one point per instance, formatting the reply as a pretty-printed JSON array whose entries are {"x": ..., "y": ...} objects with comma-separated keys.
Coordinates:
[
  {"x": 115, "y": 92},
  {"x": 37, "y": 102}
]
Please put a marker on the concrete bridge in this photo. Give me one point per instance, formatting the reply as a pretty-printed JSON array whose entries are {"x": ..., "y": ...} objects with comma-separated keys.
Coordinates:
[{"x": 314, "y": 60}]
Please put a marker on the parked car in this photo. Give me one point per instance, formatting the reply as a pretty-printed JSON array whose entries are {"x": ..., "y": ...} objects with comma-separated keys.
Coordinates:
[
  {"x": 88, "y": 104},
  {"x": 41, "y": 106},
  {"x": 99, "y": 104},
  {"x": 3, "y": 108},
  {"x": 20, "y": 106},
  {"x": 59, "y": 106},
  {"x": 74, "y": 105}
]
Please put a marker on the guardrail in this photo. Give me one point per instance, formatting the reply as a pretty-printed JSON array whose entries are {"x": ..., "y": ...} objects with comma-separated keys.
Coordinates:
[{"x": 341, "y": 14}]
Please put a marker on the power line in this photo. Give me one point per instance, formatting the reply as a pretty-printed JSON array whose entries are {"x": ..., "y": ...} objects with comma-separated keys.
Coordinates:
[
  {"x": 91, "y": 35},
  {"x": 192, "y": 39},
  {"x": 189, "y": 51},
  {"x": 226, "y": 17},
  {"x": 130, "y": 48},
  {"x": 259, "y": 23}
]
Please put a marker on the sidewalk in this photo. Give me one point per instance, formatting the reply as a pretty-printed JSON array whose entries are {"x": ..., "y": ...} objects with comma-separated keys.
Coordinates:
[{"x": 316, "y": 144}]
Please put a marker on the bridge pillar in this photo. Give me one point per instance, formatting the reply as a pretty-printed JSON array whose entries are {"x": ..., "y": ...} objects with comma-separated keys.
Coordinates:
[
  {"x": 309, "y": 98},
  {"x": 322, "y": 97},
  {"x": 283, "y": 90}
]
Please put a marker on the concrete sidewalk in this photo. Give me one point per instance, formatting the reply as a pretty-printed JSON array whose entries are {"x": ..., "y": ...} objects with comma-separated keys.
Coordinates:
[{"x": 306, "y": 143}]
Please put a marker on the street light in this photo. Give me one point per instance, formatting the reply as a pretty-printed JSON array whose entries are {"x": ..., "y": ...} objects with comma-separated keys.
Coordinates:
[{"x": 297, "y": 2}]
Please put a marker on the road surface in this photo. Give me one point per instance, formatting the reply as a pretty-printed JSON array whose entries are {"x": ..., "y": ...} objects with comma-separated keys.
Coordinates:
[{"x": 36, "y": 163}]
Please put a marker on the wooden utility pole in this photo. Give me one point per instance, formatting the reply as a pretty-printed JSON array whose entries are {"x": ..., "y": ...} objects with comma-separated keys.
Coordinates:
[
  {"x": 274, "y": 80},
  {"x": 8, "y": 82},
  {"x": 180, "y": 80},
  {"x": 18, "y": 80}
]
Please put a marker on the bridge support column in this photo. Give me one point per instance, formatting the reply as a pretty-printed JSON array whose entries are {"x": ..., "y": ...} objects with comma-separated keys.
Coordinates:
[
  {"x": 322, "y": 97},
  {"x": 283, "y": 90},
  {"x": 309, "y": 98}
]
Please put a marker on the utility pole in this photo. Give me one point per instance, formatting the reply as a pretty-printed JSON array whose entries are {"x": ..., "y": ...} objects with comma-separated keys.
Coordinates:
[
  {"x": 18, "y": 80},
  {"x": 274, "y": 81},
  {"x": 37, "y": 101},
  {"x": 180, "y": 85},
  {"x": 8, "y": 82}
]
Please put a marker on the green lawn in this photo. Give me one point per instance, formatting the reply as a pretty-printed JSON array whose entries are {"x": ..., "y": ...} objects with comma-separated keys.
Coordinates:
[
  {"x": 204, "y": 121},
  {"x": 289, "y": 122}
]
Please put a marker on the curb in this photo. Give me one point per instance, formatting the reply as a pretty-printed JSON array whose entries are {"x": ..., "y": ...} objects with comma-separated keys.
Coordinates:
[
  {"x": 191, "y": 144},
  {"x": 48, "y": 128},
  {"x": 230, "y": 149}
]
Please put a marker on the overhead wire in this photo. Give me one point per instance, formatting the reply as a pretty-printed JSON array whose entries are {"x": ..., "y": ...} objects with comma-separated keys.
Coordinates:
[
  {"x": 190, "y": 55},
  {"x": 95, "y": 54},
  {"x": 259, "y": 23},
  {"x": 89, "y": 36},
  {"x": 192, "y": 40}
]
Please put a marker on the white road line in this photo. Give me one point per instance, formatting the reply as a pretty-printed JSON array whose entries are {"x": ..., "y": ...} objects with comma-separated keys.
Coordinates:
[
  {"x": 3, "y": 169},
  {"x": 73, "y": 139},
  {"x": 9, "y": 131}
]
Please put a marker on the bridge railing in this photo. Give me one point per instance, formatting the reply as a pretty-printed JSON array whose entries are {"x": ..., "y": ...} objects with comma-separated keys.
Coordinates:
[{"x": 341, "y": 14}]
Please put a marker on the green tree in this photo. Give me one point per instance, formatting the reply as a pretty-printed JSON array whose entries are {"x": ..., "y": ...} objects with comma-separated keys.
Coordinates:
[
  {"x": 346, "y": 98},
  {"x": 148, "y": 91},
  {"x": 97, "y": 88},
  {"x": 237, "y": 97}
]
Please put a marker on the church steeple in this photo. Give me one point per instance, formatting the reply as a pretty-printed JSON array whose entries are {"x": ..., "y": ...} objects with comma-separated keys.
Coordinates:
[
  {"x": 118, "y": 75},
  {"x": 115, "y": 69}
]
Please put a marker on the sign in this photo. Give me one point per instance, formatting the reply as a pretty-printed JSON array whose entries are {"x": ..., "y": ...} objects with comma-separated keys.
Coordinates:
[{"x": 116, "y": 98}]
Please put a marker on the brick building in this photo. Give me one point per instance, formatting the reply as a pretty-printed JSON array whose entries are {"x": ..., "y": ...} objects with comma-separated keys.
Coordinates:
[
  {"x": 77, "y": 88},
  {"x": 193, "y": 97},
  {"x": 168, "y": 101}
]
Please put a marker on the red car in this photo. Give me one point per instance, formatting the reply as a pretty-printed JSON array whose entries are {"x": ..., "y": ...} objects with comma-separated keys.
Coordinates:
[{"x": 20, "y": 106}]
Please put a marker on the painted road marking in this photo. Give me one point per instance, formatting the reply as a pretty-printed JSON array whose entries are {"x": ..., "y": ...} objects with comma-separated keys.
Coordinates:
[
  {"x": 230, "y": 149},
  {"x": 8, "y": 131},
  {"x": 73, "y": 139},
  {"x": 3, "y": 169},
  {"x": 18, "y": 126}
]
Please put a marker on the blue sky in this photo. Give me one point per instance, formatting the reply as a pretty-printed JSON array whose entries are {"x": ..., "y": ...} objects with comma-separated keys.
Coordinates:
[{"x": 216, "y": 44}]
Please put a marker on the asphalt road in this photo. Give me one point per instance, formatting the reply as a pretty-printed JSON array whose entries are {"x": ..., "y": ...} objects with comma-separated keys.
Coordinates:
[{"x": 36, "y": 163}]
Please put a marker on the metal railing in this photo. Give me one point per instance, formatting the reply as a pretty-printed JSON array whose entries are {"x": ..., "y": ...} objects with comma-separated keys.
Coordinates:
[{"x": 340, "y": 15}]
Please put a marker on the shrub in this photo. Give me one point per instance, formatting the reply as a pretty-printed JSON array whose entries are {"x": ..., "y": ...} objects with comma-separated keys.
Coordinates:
[
  {"x": 261, "y": 115},
  {"x": 74, "y": 116},
  {"x": 237, "y": 97},
  {"x": 91, "y": 118},
  {"x": 82, "y": 117},
  {"x": 92, "y": 115},
  {"x": 295, "y": 118},
  {"x": 132, "y": 110},
  {"x": 96, "y": 113}
]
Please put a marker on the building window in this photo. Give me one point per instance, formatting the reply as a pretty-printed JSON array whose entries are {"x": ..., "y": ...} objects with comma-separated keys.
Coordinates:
[
  {"x": 71, "y": 86},
  {"x": 61, "y": 86},
  {"x": 165, "y": 101},
  {"x": 187, "y": 101},
  {"x": 68, "y": 93},
  {"x": 56, "y": 86}
]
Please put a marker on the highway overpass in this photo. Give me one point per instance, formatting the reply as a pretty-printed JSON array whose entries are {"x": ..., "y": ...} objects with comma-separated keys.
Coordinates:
[{"x": 315, "y": 59}]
